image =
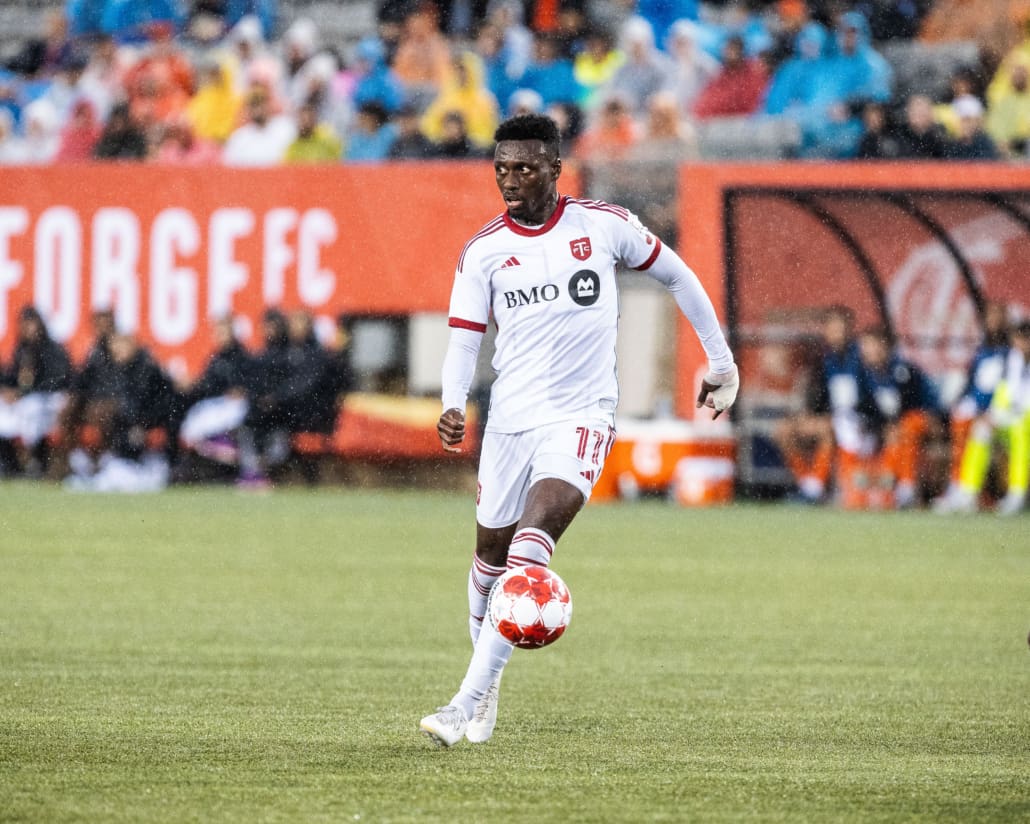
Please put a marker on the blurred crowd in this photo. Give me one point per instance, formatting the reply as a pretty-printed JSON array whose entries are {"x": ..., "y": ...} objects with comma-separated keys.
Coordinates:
[
  {"x": 227, "y": 81},
  {"x": 118, "y": 421},
  {"x": 871, "y": 419}
]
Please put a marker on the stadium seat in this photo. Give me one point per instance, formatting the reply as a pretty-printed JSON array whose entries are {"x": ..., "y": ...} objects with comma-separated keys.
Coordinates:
[
  {"x": 748, "y": 138},
  {"x": 925, "y": 68}
]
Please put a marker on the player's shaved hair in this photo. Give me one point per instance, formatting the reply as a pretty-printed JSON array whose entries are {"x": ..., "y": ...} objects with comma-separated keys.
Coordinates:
[{"x": 531, "y": 127}]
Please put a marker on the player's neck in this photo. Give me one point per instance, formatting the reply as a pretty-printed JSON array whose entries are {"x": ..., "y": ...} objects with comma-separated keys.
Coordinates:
[{"x": 537, "y": 221}]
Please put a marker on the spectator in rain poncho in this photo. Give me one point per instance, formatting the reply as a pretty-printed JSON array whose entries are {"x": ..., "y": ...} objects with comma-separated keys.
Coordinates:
[
  {"x": 131, "y": 19},
  {"x": 550, "y": 73},
  {"x": 794, "y": 84},
  {"x": 265, "y": 11},
  {"x": 300, "y": 44},
  {"x": 645, "y": 71},
  {"x": 11, "y": 95},
  {"x": 664, "y": 14},
  {"x": 596, "y": 63},
  {"x": 214, "y": 109},
  {"x": 317, "y": 85},
  {"x": 372, "y": 135},
  {"x": 13, "y": 149},
  {"x": 508, "y": 17},
  {"x": 1008, "y": 115},
  {"x": 524, "y": 101},
  {"x": 490, "y": 48},
  {"x": 693, "y": 68},
  {"x": 853, "y": 75},
  {"x": 375, "y": 79},
  {"x": 42, "y": 132},
  {"x": 101, "y": 81},
  {"x": 248, "y": 57},
  {"x": 465, "y": 94}
]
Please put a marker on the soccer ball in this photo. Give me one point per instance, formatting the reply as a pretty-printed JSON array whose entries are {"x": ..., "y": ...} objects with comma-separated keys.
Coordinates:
[{"x": 530, "y": 606}]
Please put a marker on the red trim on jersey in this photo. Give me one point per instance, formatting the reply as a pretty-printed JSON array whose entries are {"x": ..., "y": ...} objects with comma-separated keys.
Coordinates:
[
  {"x": 527, "y": 231},
  {"x": 459, "y": 323},
  {"x": 493, "y": 226},
  {"x": 602, "y": 206},
  {"x": 654, "y": 256}
]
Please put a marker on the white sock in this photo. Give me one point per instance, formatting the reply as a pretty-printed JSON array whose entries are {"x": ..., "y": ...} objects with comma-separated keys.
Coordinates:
[
  {"x": 491, "y": 654},
  {"x": 481, "y": 579},
  {"x": 530, "y": 547}
]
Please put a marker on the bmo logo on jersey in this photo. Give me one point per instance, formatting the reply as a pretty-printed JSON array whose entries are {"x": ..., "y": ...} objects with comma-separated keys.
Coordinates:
[
  {"x": 585, "y": 287},
  {"x": 537, "y": 294}
]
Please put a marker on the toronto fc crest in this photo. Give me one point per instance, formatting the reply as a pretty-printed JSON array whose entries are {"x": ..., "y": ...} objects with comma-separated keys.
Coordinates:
[{"x": 580, "y": 248}]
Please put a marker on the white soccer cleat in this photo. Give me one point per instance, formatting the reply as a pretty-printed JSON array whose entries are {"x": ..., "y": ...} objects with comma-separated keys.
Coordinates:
[
  {"x": 445, "y": 727},
  {"x": 956, "y": 501},
  {"x": 484, "y": 719},
  {"x": 1011, "y": 504}
]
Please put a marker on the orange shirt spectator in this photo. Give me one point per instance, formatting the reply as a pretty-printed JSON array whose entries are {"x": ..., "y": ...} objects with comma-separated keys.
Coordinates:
[
  {"x": 996, "y": 25},
  {"x": 423, "y": 59},
  {"x": 612, "y": 135},
  {"x": 160, "y": 84}
]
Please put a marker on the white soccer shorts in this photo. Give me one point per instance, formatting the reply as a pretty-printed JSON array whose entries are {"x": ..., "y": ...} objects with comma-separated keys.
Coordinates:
[{"x": 510, "y": 463}]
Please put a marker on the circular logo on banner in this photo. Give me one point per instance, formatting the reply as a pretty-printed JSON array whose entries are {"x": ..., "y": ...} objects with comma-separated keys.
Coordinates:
[{"x": 585, "y": 287}]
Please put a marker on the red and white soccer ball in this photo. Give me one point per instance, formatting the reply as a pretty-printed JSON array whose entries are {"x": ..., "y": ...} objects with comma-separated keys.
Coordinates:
[{"x": 530, "y": 606}]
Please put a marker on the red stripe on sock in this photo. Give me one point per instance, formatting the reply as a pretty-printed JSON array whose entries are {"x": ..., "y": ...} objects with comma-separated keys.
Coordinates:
[{"x": 533, "y": 538}]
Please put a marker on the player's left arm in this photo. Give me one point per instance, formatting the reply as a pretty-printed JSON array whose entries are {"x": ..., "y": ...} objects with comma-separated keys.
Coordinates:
[{"x": 719, "y": 386}]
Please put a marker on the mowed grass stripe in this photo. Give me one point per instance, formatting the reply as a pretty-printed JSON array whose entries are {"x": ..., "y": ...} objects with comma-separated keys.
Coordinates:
[{"x": 203, "y": 655}]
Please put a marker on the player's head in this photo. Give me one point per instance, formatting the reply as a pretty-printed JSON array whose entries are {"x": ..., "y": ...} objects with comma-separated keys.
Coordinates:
[
  {"x": 874, "y": 346},
  {"x": 838, "y": 326},
  {"x": 31, "y": 328},
  {"x": 527, "y": 166},
  {"x": 996, "y": 323},
  {"x": 1020, "y": 335}
]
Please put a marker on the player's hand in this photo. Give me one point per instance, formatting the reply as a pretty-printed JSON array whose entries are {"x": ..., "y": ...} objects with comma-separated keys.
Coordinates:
[
  {"x": 451, "y": 429},
  {"x": 719, "y": 391}
]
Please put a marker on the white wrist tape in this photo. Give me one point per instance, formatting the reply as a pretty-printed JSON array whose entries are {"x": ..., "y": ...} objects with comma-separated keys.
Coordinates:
[{"x": 726, "y": 385}]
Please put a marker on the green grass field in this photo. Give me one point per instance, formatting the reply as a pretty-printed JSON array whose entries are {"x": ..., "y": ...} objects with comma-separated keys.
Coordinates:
[{"x": 203, "y": 655}]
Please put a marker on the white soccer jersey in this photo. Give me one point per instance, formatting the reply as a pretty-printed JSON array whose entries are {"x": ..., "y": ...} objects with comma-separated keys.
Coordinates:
[{"x": 552, "y": 293}]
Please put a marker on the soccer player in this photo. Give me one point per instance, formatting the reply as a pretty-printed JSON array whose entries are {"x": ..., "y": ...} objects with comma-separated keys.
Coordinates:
[
  {"x": 985, "y": 372},
  {"x": 807, "y": 440},
  {"x": 1006, "y": 419},
  {"x": 545, "y": 270},
  {"x": 905, "y": 411}
]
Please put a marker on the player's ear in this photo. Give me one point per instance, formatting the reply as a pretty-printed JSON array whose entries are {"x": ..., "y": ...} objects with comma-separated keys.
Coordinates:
[{"x": 556, "y": 168}]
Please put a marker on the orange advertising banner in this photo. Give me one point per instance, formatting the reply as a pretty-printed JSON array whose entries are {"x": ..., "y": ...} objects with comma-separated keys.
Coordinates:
[
  {"x": 918, "y": 248},
  {"x": 170, "y": 249}
]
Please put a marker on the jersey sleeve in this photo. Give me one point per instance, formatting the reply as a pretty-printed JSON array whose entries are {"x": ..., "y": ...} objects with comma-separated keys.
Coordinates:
[
  {"x": 634, "y": 244},
  {"x": 470, "y": 294}
]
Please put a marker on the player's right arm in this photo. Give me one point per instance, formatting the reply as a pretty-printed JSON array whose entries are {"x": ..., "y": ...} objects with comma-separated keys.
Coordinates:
[
  {"x": 468, "y": 316},
  {"x": 459, "y": 367}
]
